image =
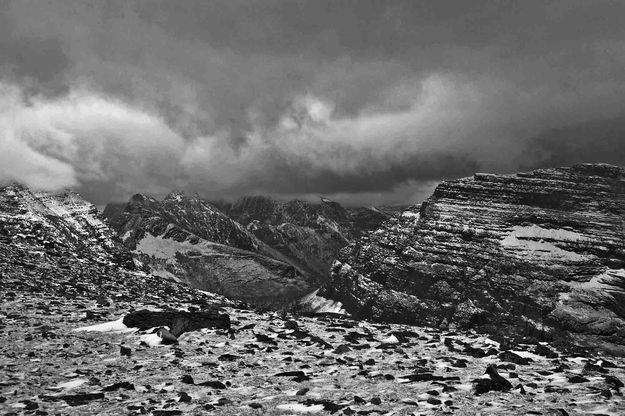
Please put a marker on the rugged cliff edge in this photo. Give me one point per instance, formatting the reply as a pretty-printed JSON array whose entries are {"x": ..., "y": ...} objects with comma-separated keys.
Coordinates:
[{"x": 538, "y": 254}]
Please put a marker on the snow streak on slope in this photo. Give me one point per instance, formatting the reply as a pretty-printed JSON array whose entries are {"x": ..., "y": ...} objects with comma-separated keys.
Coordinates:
[{"x": 537, "y": 241}]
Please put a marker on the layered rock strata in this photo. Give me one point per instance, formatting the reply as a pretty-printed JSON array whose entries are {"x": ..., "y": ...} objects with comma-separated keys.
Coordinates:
[{"x": 539, "y": 253}]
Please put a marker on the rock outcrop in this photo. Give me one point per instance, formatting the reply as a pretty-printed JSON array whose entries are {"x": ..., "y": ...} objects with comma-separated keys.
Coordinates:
[
  {"x": 309, "y": 235},
  {"x": 185, "y": 238},
  {"x": 58, "y": 224},
  {"x": 56, "y": 245},
  {"x": 538, "y": 254},
  {"x": 178, "y": 322}
]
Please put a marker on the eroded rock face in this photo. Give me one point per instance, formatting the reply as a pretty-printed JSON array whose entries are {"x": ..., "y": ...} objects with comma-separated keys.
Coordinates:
[
  {"x": 185, "y": 238},
  {"x": 539, "y": 253},
  {"x": 309, "y": 235}
]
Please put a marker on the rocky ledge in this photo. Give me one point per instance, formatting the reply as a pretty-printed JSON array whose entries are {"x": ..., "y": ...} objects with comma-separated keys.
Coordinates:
[{"x": 538, "y": 254}]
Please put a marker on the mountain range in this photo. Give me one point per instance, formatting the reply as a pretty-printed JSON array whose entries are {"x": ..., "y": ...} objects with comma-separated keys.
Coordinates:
[{"x": 255, "y": 249}]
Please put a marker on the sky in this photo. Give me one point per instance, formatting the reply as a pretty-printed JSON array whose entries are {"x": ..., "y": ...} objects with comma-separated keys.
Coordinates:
[{"x": 368, "y": 102}]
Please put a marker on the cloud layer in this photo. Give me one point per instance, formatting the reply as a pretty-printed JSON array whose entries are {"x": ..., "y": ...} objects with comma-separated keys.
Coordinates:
[{"x": 367, "y": 101}]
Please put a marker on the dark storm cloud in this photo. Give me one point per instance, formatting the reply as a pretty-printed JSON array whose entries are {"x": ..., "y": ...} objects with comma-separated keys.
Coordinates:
[
  {"x": 347, "y": 98},
  {"x": 601, "y": 141},
  {"x": 302, "y": 177}
]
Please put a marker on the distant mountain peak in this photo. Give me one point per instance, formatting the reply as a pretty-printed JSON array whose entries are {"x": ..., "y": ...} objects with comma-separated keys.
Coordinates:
[{"x": 175, "y": 196}]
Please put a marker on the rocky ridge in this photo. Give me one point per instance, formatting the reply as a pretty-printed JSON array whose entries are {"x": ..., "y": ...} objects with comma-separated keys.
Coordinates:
[
  {"x": 309, "y": 235},
  {"x": 538, "y": 254},
  {"x": 185, "y": 238},
  {"x": 58, "y": 224}
]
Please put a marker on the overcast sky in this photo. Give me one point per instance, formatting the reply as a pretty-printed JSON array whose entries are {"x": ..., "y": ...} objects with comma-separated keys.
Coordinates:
[{"x": 367, "y": 102}]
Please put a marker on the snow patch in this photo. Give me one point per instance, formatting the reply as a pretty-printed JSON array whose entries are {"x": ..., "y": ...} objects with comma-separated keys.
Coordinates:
[
  {"x": 300, "y": 408},
  {"x": 162, "y": 248},
  {"x": 410, "y": 214},
  {"x": 151, "y": 340},
  {"x": 71, "y": 384},
  {"x": 320, "y": 304},
  {"x": 537, "y": 240},
  {"x": 114, "y": 326}
]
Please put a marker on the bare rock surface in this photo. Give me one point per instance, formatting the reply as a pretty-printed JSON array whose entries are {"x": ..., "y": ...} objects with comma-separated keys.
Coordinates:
[{"x": 538, "y": 254}]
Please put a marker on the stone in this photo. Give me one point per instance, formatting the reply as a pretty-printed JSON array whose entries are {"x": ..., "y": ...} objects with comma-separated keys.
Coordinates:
[
  {"x": 514, "y": 358},
  {"x": 545, "y": 351},
  {"x": 125, "y": 351},
  {"x": 184, "y": 397},
  {"x": 215, "y": 384},
  {"x": 179, "y": 322},
  {"x": 187, "y": 379},
  {"x": 126, "y": 385},
  {"x": 495, "y": 382},
  {"x": 577, "y": 379}
]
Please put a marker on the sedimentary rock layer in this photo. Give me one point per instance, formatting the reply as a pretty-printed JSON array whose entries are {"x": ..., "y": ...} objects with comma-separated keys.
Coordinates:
[{"x": 539, "y": 253}]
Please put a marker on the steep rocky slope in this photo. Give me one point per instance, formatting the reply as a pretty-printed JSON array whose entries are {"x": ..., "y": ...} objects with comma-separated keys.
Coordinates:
[
  {"x": 186, "y": 238},
  {"x": 309, "y": 235},
  {"x": 540, "y": 254},
  {"x": 58, "y": 224}
]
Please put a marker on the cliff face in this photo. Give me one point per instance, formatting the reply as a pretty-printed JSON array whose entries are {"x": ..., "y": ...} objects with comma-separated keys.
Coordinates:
[
  {"x": 309, "y": 235},
  {"x": 187, "y": 239},
  {"x": 539, "y": 253}
]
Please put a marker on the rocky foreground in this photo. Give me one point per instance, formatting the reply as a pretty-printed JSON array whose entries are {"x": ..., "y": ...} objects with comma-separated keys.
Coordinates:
[{"x": 279, "y": 365}]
